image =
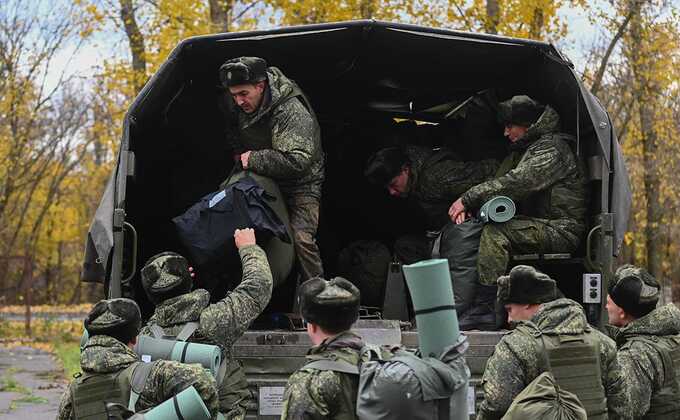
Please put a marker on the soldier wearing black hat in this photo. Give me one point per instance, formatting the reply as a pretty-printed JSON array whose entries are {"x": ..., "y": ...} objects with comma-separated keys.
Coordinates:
[
  {"x": 273, "y": 131},
  {"x": 188, "y": 315},
  {"x": 545, "y": 179},
  {"x": 111, "y": 369},
  {"x": 544, "y": 322},
  {"x": 648, "y": 340},
  {"x": 328, "y": 308}
]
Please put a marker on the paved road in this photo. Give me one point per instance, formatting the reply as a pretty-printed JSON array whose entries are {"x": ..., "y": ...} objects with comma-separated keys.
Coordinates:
[{"x": 37, "y": 384}]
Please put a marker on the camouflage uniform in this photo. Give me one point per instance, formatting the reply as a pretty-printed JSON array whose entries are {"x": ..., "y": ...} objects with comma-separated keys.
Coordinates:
[
  {"x": 519, "y": 358},
  {"x": 642, "y": 365},
  {"x": 285, "y": 138},
  {"x": 222, "y": 323},
  {"x": 436, "y": 179},
  {"x": 544, "y": 178},
  {"x": 104, "y": 354},
  {"x": 325, "y": 394}
]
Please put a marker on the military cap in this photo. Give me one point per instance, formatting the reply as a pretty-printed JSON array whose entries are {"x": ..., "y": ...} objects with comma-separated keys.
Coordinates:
[
  {"x": 332, "y": 304},
  {"x": 634, "y": 290},
  {"x": 243, "y": 70},
  {"x": 114, "y": 317},
  {"x": 526, "y": 285},
  {"x": 519, "y": 110},
  {"x": 166, "y": 275},
  {"x": 384, "y": 165}
]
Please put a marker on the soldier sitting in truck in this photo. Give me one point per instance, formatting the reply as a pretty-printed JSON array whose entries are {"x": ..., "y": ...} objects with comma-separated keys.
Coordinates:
[
  {"x": 113, "y": 373},
  {"x": 187, "y": 315},
  {"x": 648, "y": 341},
  {"x": 329, "y": 308},
  {"x": 551, "y": 335},
  {"x": 273, "y": 132},
  {"x": 545, "y": 179}
]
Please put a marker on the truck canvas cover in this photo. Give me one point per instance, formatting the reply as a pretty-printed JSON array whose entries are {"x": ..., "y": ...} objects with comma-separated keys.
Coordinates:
[{"x": 172, "y": 148}]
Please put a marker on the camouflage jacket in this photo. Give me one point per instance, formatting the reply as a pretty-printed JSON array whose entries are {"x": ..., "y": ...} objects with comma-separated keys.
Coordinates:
[
  {"x": 642, "y": 364},
  {"x": 438, "y": 178},
  {"x": 224, "y": 322},
  {"x": 519, "y": 358},
  {"x": 284, "y": 135},
  {"x": 323, "y": 394},
  {"x": 544, "y": 178},
  {"x": 103, "y": 354}
]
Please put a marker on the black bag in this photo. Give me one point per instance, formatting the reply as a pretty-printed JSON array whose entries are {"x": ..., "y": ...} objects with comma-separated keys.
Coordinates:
[
  {"x": 207, "y": 229},
  {"x": 365, "y": 264},
  {"x": 460, "y": 245}
]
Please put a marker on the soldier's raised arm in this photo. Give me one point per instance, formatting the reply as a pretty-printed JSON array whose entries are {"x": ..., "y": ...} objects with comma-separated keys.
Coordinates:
[{"x": 229, "y": 318}]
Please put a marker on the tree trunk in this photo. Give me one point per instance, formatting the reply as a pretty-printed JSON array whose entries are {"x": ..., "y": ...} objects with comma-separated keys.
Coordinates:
[
  {"x": 492, "y": 17},
  {"x": 536, "y": 29},
  {"x": 220, "y": 12},
  {"x": 367, "y": 9},
  {"x": 654, "y": 235},
  {"x": 136, "y": 42}
]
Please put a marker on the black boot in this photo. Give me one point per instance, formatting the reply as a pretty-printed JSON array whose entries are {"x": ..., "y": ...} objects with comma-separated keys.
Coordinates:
[{"x": 482, "y": 314}]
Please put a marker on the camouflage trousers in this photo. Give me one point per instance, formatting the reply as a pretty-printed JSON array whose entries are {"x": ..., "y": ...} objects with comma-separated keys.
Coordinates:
[
  {"x": 303, "y": 211},
  {"x": 234, "y": 393},
  {"x": 521, "y": 235}
]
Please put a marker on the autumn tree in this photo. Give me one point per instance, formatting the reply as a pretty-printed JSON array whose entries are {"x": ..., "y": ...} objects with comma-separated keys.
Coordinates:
[{"x": 42, "y": 115}]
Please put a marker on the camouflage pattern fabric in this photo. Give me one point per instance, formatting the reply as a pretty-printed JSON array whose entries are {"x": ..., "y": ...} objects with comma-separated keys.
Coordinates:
[
  {"x": 520, "y": 235},
  {"x": 547, "y": 184},
  {"x": 641, "y": 364},
  {"x": 224, "y": 322},
  {"x": 104, "y": 354},
  {"x": 303, "y": 211},
  {"x": 284, "y": 136},
  {"x": 518, "y": 359},
  {"x": 315, "y": 394},
  {"x": 439, "y": 177}
]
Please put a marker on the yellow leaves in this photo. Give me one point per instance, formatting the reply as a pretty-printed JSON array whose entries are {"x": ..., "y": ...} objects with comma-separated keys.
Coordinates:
[{"x": 628, "y": 238}]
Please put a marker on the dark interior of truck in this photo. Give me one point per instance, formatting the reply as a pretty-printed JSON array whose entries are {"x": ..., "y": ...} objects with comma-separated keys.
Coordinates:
[{"x": 371, "y": 86}]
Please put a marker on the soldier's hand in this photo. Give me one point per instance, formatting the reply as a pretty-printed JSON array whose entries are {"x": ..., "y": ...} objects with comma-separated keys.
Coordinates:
[
  {"x": 245, "y": 158},
  {"x": 244, "y": 237},
  {"x": 457, "y": 212}
]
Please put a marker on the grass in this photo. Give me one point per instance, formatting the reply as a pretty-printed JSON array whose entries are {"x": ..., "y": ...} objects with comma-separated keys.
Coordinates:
[
  {"x": 9, "y": 384},
  {"x": 68, "y": 353},
  {"x": 28, "y": 399}
]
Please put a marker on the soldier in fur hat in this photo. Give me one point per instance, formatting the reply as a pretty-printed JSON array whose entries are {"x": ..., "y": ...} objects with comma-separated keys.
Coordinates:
[
  {"x": 273, "y": 131},
  {"x": 110, "y": 367},
  {"x": 328, "y": 308},
  {"x": 648, "y": 341},
  {"x": 189, "y": 316},
  {"x": 544, "y": 177},
  {"x": 541, "y": 320}
]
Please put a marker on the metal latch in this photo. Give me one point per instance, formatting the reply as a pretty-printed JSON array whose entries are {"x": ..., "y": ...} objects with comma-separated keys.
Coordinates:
[{"x": 276, "y": 339}]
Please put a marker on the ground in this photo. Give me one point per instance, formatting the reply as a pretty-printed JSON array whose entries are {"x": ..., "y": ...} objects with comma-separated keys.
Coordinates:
[{"x": 31, "y": 384}]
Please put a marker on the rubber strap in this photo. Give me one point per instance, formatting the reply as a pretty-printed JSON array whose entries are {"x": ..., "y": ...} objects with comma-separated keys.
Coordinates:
[
  {"x": 184, "y": 352},
  {"x": 435, "y": 309},
  {"x": 176, "y": 404},
  {"x": 334, "y": 365}
]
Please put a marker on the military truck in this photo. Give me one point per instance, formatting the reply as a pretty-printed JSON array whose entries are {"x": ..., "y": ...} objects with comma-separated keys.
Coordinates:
[{"x": 368, "y": 82}]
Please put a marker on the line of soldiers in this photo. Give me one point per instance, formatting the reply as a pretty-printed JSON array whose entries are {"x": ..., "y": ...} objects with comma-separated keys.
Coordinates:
[{"x": 634, "y": 375}]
